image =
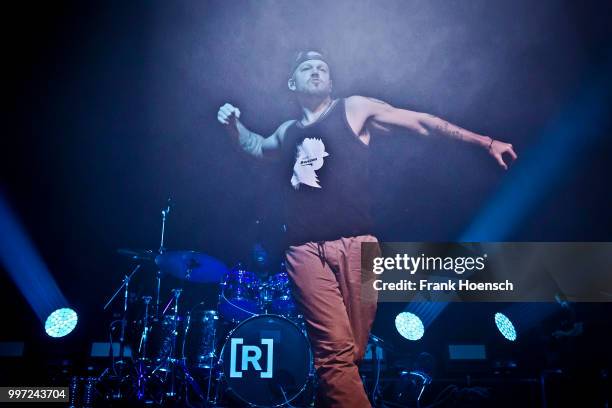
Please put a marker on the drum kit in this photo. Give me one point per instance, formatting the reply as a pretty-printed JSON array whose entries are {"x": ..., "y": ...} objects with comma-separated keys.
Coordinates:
[{"x": 250, "y": 350}]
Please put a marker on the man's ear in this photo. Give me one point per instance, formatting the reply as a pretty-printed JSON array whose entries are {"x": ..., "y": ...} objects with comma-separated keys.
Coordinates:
[{"x": 291, "y": 84}]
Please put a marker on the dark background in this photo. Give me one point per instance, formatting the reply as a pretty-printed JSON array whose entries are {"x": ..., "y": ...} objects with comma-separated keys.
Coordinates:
[{"x": 112, "y": 108}]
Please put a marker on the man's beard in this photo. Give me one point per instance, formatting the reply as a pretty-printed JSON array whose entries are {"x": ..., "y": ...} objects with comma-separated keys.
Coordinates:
[{"x": 318, "y": 91}]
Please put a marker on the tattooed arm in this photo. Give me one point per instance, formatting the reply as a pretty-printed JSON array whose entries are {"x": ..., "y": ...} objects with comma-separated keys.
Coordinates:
[
  {"x": 250, "y": 142},
  {"x": 361, "y": 110}
]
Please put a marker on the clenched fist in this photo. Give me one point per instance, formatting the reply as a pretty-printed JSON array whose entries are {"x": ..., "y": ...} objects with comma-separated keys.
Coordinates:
[{"x": 228, "y": 114}]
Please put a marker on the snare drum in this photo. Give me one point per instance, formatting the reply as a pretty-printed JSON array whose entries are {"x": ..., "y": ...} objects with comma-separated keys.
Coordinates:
[{"x": 266, "y": 361}]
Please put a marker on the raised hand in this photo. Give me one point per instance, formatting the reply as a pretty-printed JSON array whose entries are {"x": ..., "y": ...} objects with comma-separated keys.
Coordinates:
[
  {"x": 228, "y": 114},
  {"x": 498, "y": 148}
]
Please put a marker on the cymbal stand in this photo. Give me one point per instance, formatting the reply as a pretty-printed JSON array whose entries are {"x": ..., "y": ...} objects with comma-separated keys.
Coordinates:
[
  {"x": 142, "y": 352},
  {"x": 167, "y": 364},
  {"x": 142, "y": 348},
  {"x": 164, "y": 215},
  {"x": 175, "y": 364},
  {"x": 117, "y": 391},
  {"x": 125, "y": 285}
]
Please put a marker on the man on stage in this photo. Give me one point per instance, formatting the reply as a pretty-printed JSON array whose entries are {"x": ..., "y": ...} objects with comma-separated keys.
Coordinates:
[{"x": 326, "y": 158}]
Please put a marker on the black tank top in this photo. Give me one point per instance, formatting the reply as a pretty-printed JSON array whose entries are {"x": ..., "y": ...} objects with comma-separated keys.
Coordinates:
[{"x": 327, "y": 179}]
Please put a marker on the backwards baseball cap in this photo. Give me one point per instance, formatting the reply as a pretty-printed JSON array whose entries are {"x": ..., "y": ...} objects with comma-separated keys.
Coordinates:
[{"x": 306, "y": 56}]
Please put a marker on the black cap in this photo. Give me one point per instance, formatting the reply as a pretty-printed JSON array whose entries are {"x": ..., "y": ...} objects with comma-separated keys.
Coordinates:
[{"x": 306, "y": 56}]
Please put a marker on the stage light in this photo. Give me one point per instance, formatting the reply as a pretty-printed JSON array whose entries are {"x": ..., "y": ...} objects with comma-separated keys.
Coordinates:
[
  {"x": 505, "y": 326},
  {"x": 61, "y": 322},
  {"x": 409, "y": 326},
  {"x": 24, "y": 265}
]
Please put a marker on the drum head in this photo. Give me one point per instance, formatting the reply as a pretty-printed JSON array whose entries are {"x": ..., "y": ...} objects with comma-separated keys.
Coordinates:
[
  {"x": 266, "y": 361},
  {"x": 237, "y": 309}
]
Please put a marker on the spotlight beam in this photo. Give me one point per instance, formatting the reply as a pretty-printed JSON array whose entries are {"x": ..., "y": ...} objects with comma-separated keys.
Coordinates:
[
  {"x": 25, "y": 267},
  {"x": 563, "y": 141}
]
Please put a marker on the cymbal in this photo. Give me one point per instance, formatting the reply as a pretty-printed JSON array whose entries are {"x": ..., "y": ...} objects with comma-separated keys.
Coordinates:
[
  {"x": 191, "y": 266},
  {"x": 138, "y": 254}
]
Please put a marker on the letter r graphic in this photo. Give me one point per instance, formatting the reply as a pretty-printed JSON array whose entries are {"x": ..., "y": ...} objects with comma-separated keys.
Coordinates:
[{"x": 250, "y": 354}]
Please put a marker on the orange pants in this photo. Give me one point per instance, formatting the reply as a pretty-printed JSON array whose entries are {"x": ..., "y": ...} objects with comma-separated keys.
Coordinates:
[{"x": 339, "y": 310}]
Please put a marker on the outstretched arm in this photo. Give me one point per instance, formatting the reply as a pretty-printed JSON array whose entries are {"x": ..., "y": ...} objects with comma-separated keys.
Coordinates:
[
  {"x": 248, "y": 141},
  {"x": 380, "y": 112}
]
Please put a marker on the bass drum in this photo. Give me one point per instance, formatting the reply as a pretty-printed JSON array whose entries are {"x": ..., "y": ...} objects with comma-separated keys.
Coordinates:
[{"x": 266, "y": 361}]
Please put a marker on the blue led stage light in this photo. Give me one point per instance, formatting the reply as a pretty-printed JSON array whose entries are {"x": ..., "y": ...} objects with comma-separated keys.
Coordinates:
[
  {"x": 61, "y": 322},
  {"x": 24, "y": 265},
  {"x": 409, "y": 326},
  {"x": 505, "y": 326}
]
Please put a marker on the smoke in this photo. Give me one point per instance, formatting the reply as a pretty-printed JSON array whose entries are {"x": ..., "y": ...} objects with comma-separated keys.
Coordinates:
[{"x": 434, "y": 55}]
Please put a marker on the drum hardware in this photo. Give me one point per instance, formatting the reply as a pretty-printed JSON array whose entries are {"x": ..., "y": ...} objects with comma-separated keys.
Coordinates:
[
  {"x": 171, "y": 367},
  {"x": 199, "y": 344},
  {"x": 138, "y": 254},
  {"x": 282, "y": 301},
  {"x": 179, "y": 355},
  {"x": 142, "y": 347},
  {"x": 149, "y": 255},
  {"x": 203, "y": 324},
  {"x": 125, "y": 286},
  {"x": 169, "y": 330},
  {"x": 164, "y": 214},
  {"x": 121, "y": 363},
  {"x": 142, "y": 351},
  {"x": 239, "y": 295}
]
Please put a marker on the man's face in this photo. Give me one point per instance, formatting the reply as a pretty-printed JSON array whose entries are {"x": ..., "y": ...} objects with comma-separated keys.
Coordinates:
[{"x": 311, "y": 78}]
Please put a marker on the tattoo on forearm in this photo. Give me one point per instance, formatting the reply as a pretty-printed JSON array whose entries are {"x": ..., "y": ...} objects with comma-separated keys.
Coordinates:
[
  {"x": 450, "y": 130},
  {"x": 249, "y": 143},
  {"x": 443, "y": 127}
]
